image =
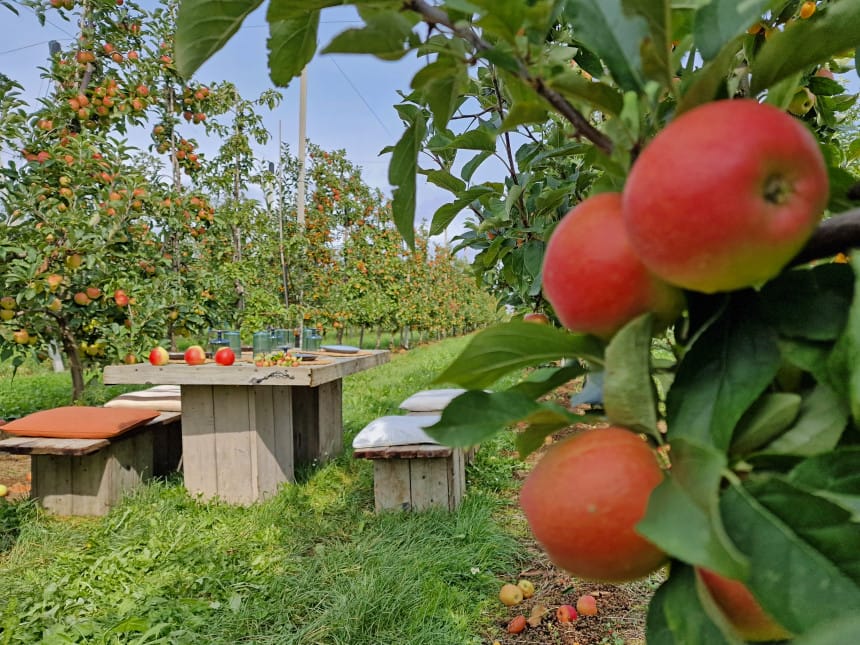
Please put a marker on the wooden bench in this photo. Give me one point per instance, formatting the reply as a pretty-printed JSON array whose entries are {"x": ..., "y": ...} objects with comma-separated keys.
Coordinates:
[
  {"x": 410, "y": 470},
  {"x": 89, "y": 476}
]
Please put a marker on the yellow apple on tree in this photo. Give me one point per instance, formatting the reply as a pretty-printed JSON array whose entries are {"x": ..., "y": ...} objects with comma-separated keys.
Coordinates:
[
  {"x": 592, "y": 277},
  {"x": 725, "y": 196}
]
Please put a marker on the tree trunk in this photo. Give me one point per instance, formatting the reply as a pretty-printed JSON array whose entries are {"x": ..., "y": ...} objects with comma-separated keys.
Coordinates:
[
  {"x": 361, "y": 336},
  {"x": 70, "y": 347},
  {"x": 340, "y": 335},
  {"x": 378, "y": 337}
]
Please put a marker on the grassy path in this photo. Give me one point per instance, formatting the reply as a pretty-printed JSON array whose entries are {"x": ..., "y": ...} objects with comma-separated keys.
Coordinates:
[{"x": 312, "y": 565}]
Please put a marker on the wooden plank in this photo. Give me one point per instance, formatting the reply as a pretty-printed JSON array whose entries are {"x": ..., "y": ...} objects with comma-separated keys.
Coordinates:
[
  {"x": 233, "y": 444},
  {"x": 412, "y": 451},
  {"x": 51, "y": 446},
  {"x": 429, "y": 482},
  {"x": 273, "y": 426},
  {"x": 198, "y": 440},
  {"x": 392, "y": 485},
  {"x": 52, "y": 482},
  {"x": 458, "y": 478},
  {"x": 92, "y": 484},
  {"x": 330, "y": 420},
  {"x": 241, "y": 373},
  {"x": 318, "y": 422}
]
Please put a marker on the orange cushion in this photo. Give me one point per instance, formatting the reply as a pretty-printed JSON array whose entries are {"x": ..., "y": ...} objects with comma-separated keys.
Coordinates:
[{"x": 79, "y": 422}]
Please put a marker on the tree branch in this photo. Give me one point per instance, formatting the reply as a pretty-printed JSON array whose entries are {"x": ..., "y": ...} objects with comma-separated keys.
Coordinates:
[
  {"x": 835, "y": 235},
  {"x": 434, "y": 16}
]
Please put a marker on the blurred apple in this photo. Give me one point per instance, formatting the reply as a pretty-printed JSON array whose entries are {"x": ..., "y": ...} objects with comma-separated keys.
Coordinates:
[
  {"x": 225, "y": 356},
  {"x": 195, "y": 355},
  {"x": 159, "y": 356},
  {"x": 120, "y": 298},
  {"x": 536, "y": 317}
]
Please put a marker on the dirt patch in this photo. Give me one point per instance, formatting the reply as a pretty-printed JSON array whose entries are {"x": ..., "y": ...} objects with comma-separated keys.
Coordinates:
[{"x": 15, "y": 474}]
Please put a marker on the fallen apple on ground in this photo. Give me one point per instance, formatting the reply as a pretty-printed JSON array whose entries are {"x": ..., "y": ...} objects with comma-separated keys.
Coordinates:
[
  {"x": 527, "y": 588},
  {"x": 587, "y": 605},
  {"x": 511, "y": 595},
  {"x": 566, "y": 614}
]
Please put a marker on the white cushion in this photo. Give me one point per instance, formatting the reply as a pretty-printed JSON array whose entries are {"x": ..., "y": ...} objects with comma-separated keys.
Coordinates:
[
  {"x": 431, "y": 400},
  {"x": 165, "y": 398},
  {"x": 395, "y": 431}
]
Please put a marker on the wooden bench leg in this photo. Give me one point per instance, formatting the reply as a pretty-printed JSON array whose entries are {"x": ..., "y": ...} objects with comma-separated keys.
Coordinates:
[
  {"x": 318, "y": 422},
  {"x": 419, "y": 483},
  {"x": 91, "y": 484}
]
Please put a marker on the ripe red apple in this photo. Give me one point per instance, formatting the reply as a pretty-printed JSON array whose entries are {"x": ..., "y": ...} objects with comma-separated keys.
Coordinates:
[
  {"x": 195, "y": 355},
  {"x": 93, "y": 292},
  {"x": 566, "y": 614},
  {"x": 129, "y": 359},
  {"x": 742, "y": 609},
  {"x": 592, "y": 277},
  {"x": 725, "y": 196},
  {"x": 517, "y": 625},
  {"x": 225, "y": 356},
  {"x": 584, "y": 498},
  {"x": 536, "y": 317},
  {"x": 159, "y": 356},
  {"x": 120, "y": 298}
]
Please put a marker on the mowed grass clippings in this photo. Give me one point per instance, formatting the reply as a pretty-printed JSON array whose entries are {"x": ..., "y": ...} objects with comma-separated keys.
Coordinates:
[{"x": 313, "y": 564}]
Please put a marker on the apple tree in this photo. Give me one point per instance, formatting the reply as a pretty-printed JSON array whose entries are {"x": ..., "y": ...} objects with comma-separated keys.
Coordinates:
[{"x": 751, "y": 395}]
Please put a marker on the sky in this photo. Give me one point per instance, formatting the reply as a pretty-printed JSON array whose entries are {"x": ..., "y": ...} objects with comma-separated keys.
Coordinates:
[{"x": 350, "y": 98}]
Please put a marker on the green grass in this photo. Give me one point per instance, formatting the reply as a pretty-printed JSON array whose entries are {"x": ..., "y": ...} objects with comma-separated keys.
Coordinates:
[{"x": 314, "y": 564}]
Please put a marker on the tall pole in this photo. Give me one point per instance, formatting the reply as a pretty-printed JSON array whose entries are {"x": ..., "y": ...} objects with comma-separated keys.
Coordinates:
[{"x": 303, "y": 114}]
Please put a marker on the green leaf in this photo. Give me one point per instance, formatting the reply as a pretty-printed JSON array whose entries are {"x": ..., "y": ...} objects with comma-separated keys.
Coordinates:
[
  {"x": 836, "y": 632},
  {"x": 441, "y": 83},
  {"x": 710, "y": 79},
  {"x": 821, "y": 86},
  {"x": 511, "y": 346},
  {"x": 723, "y": 373},
  {"x": 722, "y": 20},
  {"x": 524, "y": 112},
  {"x": 573, "y": 86},
  {"x": 831, "y": 30},
  {"x": 446, "y": 213},
  {"x": 677, "y": 615},
  {"x": 683, "y": 515},
  {"x": 475, "y": 416},
  {"x": 204, "y": 26},
  {"x": 606, "y": 29},
  {"x": 821, "y": 422},
  {"x": 445, "y": 179},
  {"x": 778, "y": 534},
  {"x": 292, "y": 44},
  {"x": 402, "y": 170},
  {"x": 810, "y": 303},
  {"x": 769, "y": 417},
  {"x": 541, "y": 424},
  {"x": 472, "y": 165},
  {"x": 387, "y": 35},
  {"x": 656, "y": 49},
  {"x": 834, "y": 475},
  {"x": 628, "y": 392},
  {"x": 480, "y": 139}
]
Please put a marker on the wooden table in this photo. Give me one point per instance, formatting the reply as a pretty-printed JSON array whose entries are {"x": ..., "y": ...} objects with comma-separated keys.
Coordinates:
[{"x": 245, "y": 427}]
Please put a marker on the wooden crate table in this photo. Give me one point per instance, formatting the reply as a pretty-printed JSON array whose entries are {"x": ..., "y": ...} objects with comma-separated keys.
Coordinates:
[{"x": 245, "y": 427}]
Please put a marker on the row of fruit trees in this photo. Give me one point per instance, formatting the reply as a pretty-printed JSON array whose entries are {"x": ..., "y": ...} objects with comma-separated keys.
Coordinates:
[
  {"x": 106, "y": 248},
  {"x": 701, "y": 141}
]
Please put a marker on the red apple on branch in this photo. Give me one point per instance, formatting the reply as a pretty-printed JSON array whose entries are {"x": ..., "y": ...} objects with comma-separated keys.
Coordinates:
[{"x": 725, "y": 196}]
